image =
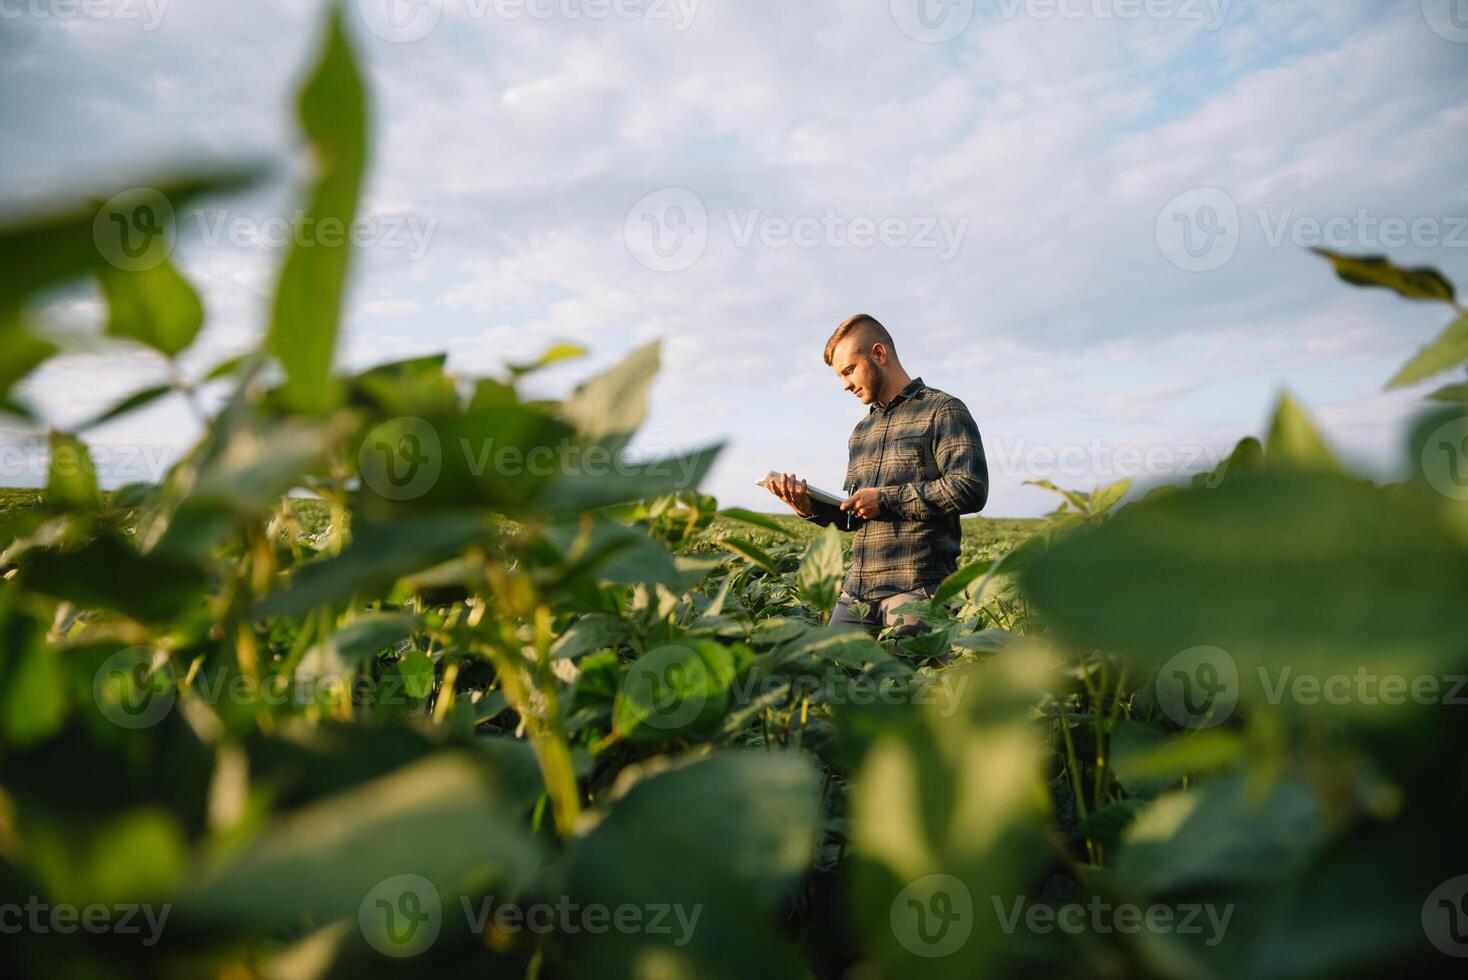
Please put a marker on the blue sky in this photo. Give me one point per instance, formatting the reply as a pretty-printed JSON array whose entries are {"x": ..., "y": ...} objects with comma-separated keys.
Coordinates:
[{"x": 1028, "y": 183}]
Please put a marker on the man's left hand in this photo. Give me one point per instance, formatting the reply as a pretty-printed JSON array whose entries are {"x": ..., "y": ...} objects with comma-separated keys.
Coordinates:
[{"x": 865, "y": 504}]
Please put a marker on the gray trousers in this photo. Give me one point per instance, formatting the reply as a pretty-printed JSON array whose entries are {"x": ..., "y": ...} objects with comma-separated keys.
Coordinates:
[{"x": 882, "y": 612}]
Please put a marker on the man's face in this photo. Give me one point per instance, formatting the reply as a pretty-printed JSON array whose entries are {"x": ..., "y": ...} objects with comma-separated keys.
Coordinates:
[{"x": 859, "y": 366}]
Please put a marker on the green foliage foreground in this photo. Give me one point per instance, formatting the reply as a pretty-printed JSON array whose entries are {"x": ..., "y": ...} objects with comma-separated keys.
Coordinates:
[{"x": 460, "y": 715}]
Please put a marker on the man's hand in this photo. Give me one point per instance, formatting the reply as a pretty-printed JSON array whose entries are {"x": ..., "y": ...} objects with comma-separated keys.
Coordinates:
[
  {"x": 794, "y": 492},
  {"x": 865, "y": 504}
]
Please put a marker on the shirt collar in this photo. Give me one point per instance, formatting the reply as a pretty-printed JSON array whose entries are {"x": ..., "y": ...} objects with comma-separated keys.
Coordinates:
[{"x": 908, "y": 391}]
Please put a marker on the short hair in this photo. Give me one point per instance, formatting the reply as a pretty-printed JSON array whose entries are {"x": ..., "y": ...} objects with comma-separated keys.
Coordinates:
[{"x": 871, "y": 330}]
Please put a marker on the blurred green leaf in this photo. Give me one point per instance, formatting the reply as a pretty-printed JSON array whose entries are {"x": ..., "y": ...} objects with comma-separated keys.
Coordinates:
[
  {"x": 131, "y": 403},
  {"x": 443, "y": 820},
  {"x": 136, "y": 855},
  {"x": 588, "y": 634},
  {"x": 417, "y": 670},
  {"x": 1451, "y": 393},
  {"x": 308, "y": 299},
  {"x": 52, "y": 248},
  {"x": 959, "y": 580},
  {"x": 674, "y": 691},
  {"x": 109, "y": 574},
  {"x": 32, "y": 681},
  {"x": 724, "y": 839},
  {"x": 609, "y": 408},
  {"x": 586, "y": 488},
  {"x": 1376, "y": 270},
  {"x": 154, "y": 306},
  {"x": 377, "y": 557},
  {"x": 23, "y": 354},
  {"x": 1314, "y": 571},
  {"x": 554, "y": 354},
  {"x": 1449, "y": 350},
  {"x": 1294, "y": 443},
  {"x": 72, "y": 480}
]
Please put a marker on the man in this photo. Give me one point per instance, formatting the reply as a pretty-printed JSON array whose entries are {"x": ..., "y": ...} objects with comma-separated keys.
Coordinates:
[{"x": 916, "y": 463}]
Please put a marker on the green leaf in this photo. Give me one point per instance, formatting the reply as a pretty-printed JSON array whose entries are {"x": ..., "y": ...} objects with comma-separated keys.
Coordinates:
[
  {"x": 726, "y": 838},
  {"x": 1102, "y": 499},
  {"x": 308, "y": 298},
  {"x": 443, "y": 820},
  {"x": 587, "y": 634},
  {"x": 417, "y": 670},
  {"x": 947, "y": 811},
  {"x": 609, "y": 408},
  {"x": 674, "y": 691},
  {"x": 1312, "y": 571},
  {"x": 1451, "y": 393},
  {"x": 553, "y": 355},
  {"x": 1376, "y": 270},
  {"x": 154, "y": 306},
  {"x": 66, "y": 243},
  {"x": 107, "y": 573},
  {"x": 1107, "y": 824},
  {"x": 32, "y": 683},
  {"x": 72, "y": 480},
  {"x": 751, "y": 551},
  {"x": 1449, "y": 350},
  {"x": 128, "y": 405},
  {"x": 758, "y": 520},
  {"x": 585, "y": 487},
  {"x": 1294, "y": 443},
  {"x": 821, "y": 570},
  {"x": 23, "y": 354},
  {"x": 1221, "y": 832},
  {"x": 377, "y": 557},
  {"x": 958, "y": 581},
  {"x": 1247, "y": 457}
]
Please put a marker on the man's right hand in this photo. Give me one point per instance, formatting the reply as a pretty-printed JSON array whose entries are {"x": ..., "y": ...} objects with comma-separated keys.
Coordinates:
[{"x": 794, "y": 492}]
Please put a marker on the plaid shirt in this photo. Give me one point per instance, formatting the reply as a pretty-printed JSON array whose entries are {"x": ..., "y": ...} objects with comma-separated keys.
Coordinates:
[{"x": 923, "y": 450}]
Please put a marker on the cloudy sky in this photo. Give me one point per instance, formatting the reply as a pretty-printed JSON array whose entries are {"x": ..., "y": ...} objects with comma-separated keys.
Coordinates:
[{"x": 1088, "y": 219}]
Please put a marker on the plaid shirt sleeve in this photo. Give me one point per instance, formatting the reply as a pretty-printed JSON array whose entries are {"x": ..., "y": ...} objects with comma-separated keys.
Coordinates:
[{"x": 963, "y": 487}]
